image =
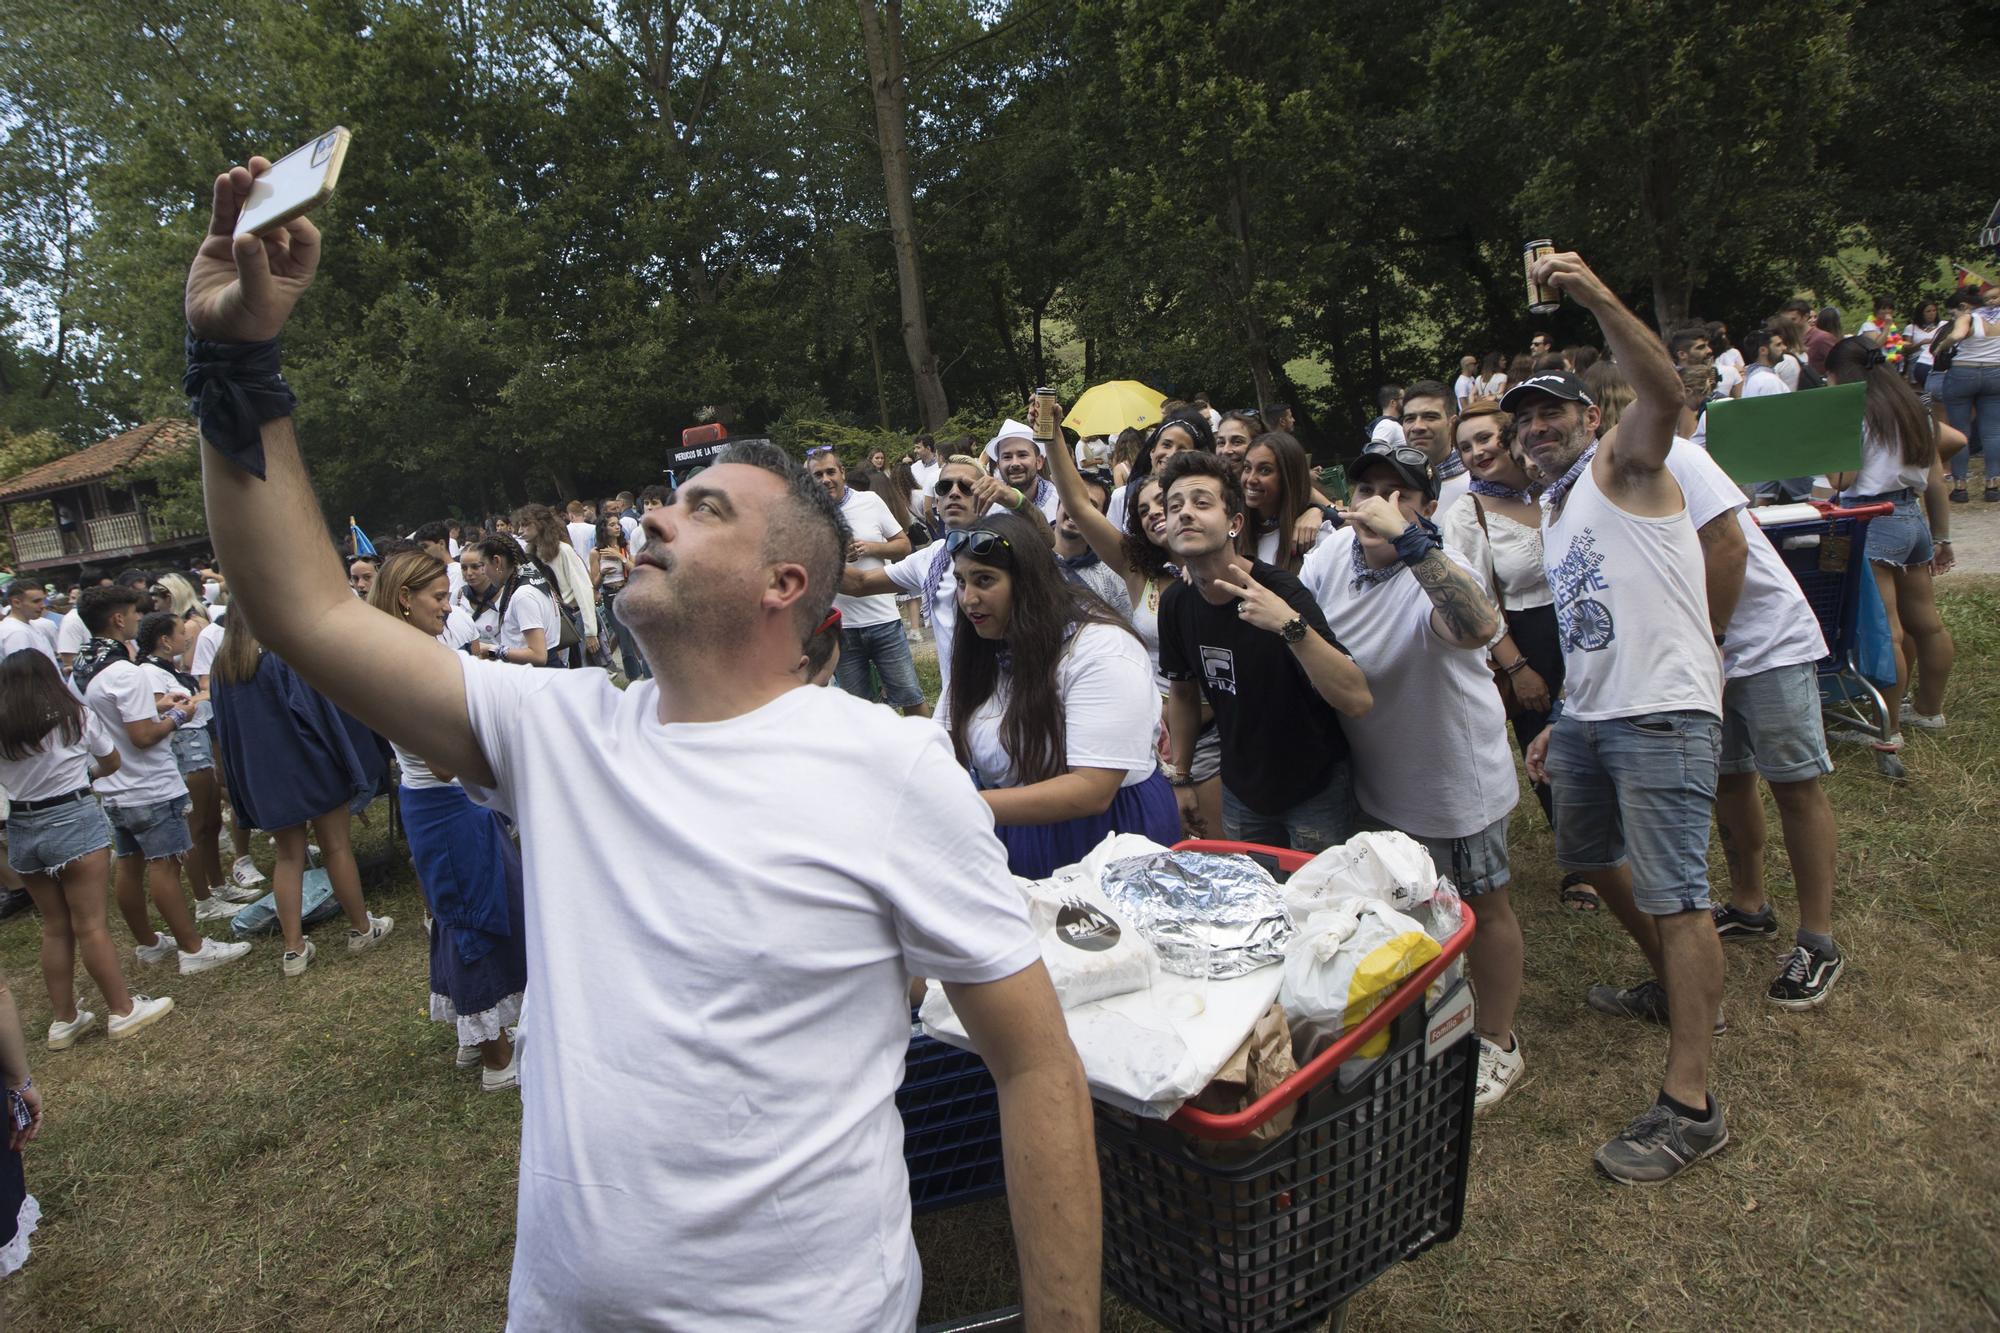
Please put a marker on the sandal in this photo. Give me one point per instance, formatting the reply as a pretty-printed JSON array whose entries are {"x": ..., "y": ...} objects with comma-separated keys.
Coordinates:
[{"x": 1578, "y": 896}]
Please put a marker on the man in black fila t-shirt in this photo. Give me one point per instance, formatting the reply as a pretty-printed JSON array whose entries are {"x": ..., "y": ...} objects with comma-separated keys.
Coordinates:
[{"x": 1250, "y": 640}]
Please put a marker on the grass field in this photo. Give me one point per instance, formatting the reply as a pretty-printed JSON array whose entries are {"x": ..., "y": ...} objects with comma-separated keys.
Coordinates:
[{"x": 303, "y": 1154}]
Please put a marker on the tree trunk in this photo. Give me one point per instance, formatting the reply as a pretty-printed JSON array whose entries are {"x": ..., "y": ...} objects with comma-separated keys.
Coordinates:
[
  {"x": 1006, "y": 332},
  {"x": 1089, "y": 361},
  {"x": 1256, "y": 339},
  {"x": 882, "y": 36},
  {"x": 881, "y": 385},
  {"x": 1041, "y": 374},
  {"x": 1672, "y": 293}
]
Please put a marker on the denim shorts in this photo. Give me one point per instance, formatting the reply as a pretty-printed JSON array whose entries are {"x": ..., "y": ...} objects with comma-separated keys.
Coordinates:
[
  {"x": 1326, "y": 818},
  {"x": 1902, "y": 539},
  {"x": 1640, "y": 789},
  {"x": 154, "y": 831},
  {"x": 1771, "y": 725},
  {"x": 194, "y": 750},
  {"x": 41, "y": 842},
  {"x": 886, "y": 646}
]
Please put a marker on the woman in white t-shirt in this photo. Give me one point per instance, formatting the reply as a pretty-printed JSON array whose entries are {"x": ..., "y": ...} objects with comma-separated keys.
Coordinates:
[
  {"x": 1052, "y": 703},
  {"x": 524, "y": 623},
  {"x": 547, "y": 543},
  {"x": 1921, "y": 332},
  {"x": 1901, "y": 464},
  {"x": 1492, "y": 380},
  {"x": 51, "y": 749},
  {"x": 467, "y": 866},
  {"x": 166, "y": 650}
]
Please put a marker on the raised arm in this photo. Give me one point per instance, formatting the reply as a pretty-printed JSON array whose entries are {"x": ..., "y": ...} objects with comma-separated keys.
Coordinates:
[
  {"x": 1461, "y": 612},
  {"x": 243, "y": 292},
  {"x": 1099, "y": 531},
  {"x": 1646, "y": 428}
]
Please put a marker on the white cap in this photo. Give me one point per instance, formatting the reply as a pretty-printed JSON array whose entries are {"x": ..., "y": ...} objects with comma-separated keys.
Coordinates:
[{"x": 1011, "y": 429}]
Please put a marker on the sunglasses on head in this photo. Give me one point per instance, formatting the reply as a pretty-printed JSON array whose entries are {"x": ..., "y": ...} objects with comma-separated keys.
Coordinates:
[
  {"x": 819, "y": 449},
  {"x": 1101, "y": 475},
  {"x": 946, "y": 485},
  {"x": 978, "y": 542},
  {"x": 1407, "y": 454}
]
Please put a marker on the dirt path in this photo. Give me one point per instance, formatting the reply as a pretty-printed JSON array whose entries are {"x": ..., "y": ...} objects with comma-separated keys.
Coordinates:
[{"x": 1975, "y": 536}]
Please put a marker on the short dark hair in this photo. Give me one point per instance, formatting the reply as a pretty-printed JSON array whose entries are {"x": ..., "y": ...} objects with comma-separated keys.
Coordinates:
[
  {"x": 137, "y": 579},
  {"x": 20, "y": 586},
  {"x": 154, "y": 626},
  {"x": 369, "y": 559},
  {"x": 926, "y": 442},
  {"x": 1883, "y": 303},
  {"x": 655, "y": 493},
  {"x": 1798, "y": 305},
  {"x": 1433, "y": 389},
  {"x": 1683, "y": 338},
  {"x": 1386, "y": 395},
  {"x": 97, "y": 606},
  {"x": 437, "y": 530},
  {"x": 1195, "y": 463},
  {"x": 807, "y": 528}
]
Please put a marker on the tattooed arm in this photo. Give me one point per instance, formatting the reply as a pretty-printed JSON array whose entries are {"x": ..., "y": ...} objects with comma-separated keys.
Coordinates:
[{"x": 1462, "y": 613}]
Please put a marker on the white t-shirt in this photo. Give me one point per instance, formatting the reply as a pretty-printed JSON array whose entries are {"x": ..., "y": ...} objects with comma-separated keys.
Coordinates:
[
  {"x": 417, "y": 775},
  {"x": 1868, "y": 326},
  {"x": 869, "y": 519},
  {"x": 1111, "y": 710},
  {"x": 1761, "y": 381},
  {"x": 24, "y": 635},
  {"x": 583, "y": 537},
  {"x": 1883, "y": 469},
  {"x": 1787, "y": 371},
  {"x": 165, "y": 682},
  {"x": 1465, "y": 387},
  {"x": 1922, "y": 338},
  {"x": 720, "y": 1010},
  {"x": 926, "y": 475},
  {"x": 1431, "y": 757},
  {"x": 459, "y": 629},
  {"x": 1386, "y": 430},
  {"x": 1730, "y": 360},
  {"x": 529, "y": 608},
  {"x": 1492, "y": 386},
  {"x": 910, "y": 574},
  {"x": 1981, "y": 346},
  {"x": 206, "y": 645},
  {"x": 71, "y": 635},
  {"x": 56, "y": 769},
  {"x": 1451, "y": 489},
  {"x": 122, "y": 692},
  {"x": 1773, "y": 624}
]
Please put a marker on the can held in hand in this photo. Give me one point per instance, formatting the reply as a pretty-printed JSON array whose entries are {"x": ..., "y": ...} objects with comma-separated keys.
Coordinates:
[
  {"x": 1541, "y": 300},
  {"x": 1045, "y": 414}
]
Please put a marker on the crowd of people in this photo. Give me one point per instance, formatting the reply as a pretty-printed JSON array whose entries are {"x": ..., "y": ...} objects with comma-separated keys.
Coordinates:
[{"x": 607, "y": 768}]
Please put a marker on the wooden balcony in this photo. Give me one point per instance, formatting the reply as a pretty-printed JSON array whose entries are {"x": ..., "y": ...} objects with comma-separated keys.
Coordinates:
[{"x": 102, "y": 538}]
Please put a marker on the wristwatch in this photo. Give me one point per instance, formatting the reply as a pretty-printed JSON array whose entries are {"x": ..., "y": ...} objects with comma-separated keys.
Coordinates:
[{"x": 1293, "y": 630}]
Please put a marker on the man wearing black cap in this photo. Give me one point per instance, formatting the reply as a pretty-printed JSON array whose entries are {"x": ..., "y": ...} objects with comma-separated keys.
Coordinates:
[
  {"x": 1633, "y": 747},
  {"x": 1430, "y": 758}
]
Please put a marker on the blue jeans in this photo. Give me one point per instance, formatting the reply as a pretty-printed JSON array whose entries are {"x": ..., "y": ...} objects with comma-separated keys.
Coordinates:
[
  {"x": 1324, "y": 819},
  {"x": 884, "y": 647},
  {"x": 635, "y": 661},
  {"x": 1972, "y": 405},
  {"x": 1644, "y": 784}
]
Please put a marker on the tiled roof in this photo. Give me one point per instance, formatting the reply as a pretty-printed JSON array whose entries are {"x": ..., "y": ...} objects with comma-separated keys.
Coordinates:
[{"x": 105, "y": 458}]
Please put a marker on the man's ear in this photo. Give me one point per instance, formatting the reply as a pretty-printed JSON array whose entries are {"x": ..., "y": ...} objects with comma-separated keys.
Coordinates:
[{"x": 784, "y": 585}]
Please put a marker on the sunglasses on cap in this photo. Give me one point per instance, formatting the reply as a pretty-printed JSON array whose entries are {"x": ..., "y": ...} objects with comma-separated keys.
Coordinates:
[
  {"x": 978, "y": 542},
  {"x": 832, "y": 621},
  {"x": 946, "y": 485},
  {"x": 1407, "y": 454}
]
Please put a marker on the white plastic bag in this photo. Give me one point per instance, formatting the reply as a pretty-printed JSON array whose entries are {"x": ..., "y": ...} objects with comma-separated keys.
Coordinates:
[
  {"x": 1388, "y": 866},
  {"x": 1346, "y": 959},
  {"x": 1091, "y": 951}
]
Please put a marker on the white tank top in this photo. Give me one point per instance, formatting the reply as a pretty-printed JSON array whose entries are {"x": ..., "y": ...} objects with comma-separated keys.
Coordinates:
[{"x": 1632, "y": 609}]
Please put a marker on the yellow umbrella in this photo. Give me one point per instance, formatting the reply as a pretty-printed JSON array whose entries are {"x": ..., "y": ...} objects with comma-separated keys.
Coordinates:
[{"x": 1106, "y": 409}]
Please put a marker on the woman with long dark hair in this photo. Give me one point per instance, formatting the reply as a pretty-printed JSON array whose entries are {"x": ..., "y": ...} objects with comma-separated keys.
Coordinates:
[
  {"x": 610, "y": 566},
  {"x": 467, "y": 866},
  {"x": 1920, "y": 332},
  {"x": 1182, "y": 430},
  {"x": 561, "y": 568},
  {"x": 518, "y": 620},
  {"x": 1052, "y": 703},
  {"x": 1900, "y": 464},
  {"x": 292, "y": 759},
  {"x": 1277, "y": 488},
  {"x": 58, "y": 841}
]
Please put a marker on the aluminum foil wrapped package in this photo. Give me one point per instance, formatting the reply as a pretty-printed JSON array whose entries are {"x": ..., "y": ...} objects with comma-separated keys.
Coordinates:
[{"x": 1207, "y": 915}]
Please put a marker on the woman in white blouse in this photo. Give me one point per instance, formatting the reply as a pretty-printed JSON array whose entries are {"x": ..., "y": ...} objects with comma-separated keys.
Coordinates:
[
  {"x": 1497, "y": 526},
  {"x": 1052, "y": 704}
]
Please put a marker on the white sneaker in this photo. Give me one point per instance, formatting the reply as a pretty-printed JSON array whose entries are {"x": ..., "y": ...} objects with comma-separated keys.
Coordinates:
[
  {"x": 215, "y": 909},
  {"x": 62, "y": 1035},
  {"x": 212, "y": 954},
  {"x": 1923, "y": 721},
  {"x": 294, "y": 964},
  {"x": 1856, "y": 736},
  {"x": 230, "y": 893},
  {"x": 1499, "y": 1073},
  {"x": 245, "y": 873},
  {"x": 159, "y": 951},
  {"x": 500, "y": 1080},
  {"x": 467, "y": 1058},
  {"x": 146, "y": 1011},
  {"x": 361, "y": 941}
]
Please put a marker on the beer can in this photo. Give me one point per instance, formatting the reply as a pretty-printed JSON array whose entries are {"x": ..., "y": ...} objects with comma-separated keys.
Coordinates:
[
  {"x": 1045, "y": 414},
  {"x": 1541, "y": 300}
]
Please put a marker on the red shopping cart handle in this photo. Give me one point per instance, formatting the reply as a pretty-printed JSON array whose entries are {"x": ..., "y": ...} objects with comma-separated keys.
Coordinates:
[
  {"x": 1236, "y": 1125},
  {"x": 1827, "y": 510}
]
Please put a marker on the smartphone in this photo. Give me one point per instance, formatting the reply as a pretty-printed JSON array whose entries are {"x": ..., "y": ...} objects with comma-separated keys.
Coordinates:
[{"x": 297, "y": 183}]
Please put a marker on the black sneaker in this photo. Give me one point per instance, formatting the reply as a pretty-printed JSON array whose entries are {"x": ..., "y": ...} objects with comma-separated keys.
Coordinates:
[
  {"x": 13, "y": 902},
  {"x": 1992, "y": 495},
  {"x": 1646, "y": 1001},
  {"x": 1733, "y": 925},
  {"x": 1661, "y": 1144},
  {"x": 1958, "y": 495},
  {"x": 1806, "y": 978}
]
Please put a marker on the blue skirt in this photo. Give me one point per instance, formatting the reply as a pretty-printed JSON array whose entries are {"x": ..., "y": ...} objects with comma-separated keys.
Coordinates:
[
  {"x": 470, "y": 873},
  {"x": 1036, "y": 851},
  {"x": 288, "y": 753}
]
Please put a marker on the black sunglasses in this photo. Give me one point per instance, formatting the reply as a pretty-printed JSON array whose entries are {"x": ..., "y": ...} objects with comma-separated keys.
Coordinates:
[
  {"x": 1407, "y": 454},
  {"x": 819, "y": 449},
  {"x": 978, "y": 542},
  {"x": 947, "y": 485}
]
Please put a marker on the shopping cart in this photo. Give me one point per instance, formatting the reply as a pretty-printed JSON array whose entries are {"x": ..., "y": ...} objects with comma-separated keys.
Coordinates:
[
  {"x": 1826, "y": 556},
  {"x": 951, "y": 1125},
  {"x": 1203, "y": 1237}
]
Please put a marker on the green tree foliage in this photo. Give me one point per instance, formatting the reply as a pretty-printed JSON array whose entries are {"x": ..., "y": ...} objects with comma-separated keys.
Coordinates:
[{"x": 570, "y": 228}]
